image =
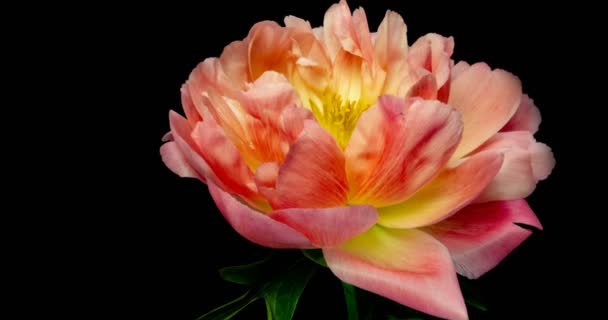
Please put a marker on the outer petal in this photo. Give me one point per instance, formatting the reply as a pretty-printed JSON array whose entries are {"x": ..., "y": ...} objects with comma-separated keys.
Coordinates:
[
  {"x": 180, "y": 133},
  {"x": 526, "y": 163},
  {"x": 224, "y": 159},
  {"x": 254, "y": 225},
  {"x": 330, "y": 226},
  {"x": 453, "y": 189},
  {"x": 526, "y": 118},
  {"x": 480, "y": 236},
  {"x": 407, "y": 266},
  {"x": 487, "y": 99},
  {"x": 175, "y": 160},
  {"x": 397, "y": 147},
  {"x": 312, "y": 175},
  {"x": 234, "y": 60}
]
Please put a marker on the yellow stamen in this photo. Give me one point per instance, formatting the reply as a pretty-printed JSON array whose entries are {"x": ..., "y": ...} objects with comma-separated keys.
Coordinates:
[{"x": 337, "y": 115}]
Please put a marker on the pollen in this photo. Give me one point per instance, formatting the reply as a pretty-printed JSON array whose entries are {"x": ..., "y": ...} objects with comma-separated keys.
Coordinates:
[{"x": 337, "y": 115}]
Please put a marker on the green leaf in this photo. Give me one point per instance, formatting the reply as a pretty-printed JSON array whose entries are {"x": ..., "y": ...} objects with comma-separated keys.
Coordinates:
[
  {"x": 231, "y": 308},
  {"x": 246, "y": 274},
  {"x": 350, "y": 295},
  {"x": 315, "y": 255},
  {"x": 284, "y": 291},
  {"x": 471, "y": 293}
]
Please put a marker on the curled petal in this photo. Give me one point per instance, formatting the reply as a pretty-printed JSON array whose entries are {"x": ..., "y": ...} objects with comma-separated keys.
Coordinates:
[
  {"x": 329, "y": 227},
  {"x": 256, "y": 226},
  {"x": 408, "y": 266},
  {"x": 480, "y": 236},
  {"x": 268, "y": 48},
  {"x": 397, "y": 147}
]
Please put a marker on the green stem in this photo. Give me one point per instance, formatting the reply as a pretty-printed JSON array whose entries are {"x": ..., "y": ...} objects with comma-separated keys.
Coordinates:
[{"x": 350, "y": 295}]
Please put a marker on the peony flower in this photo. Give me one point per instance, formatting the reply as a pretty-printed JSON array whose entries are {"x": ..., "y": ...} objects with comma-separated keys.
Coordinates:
[{"x": 403, "y": 166}]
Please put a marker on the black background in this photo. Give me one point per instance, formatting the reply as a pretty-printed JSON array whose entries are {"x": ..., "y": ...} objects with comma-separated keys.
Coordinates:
[{"x": 171, "y": 239}]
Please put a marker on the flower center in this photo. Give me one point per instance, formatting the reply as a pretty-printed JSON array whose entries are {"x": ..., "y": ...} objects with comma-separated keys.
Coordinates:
[{"x": 338, "y": 115}]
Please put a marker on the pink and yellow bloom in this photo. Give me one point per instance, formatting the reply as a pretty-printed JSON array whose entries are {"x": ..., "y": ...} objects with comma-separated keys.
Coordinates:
[{"x": 403, "y": 166}]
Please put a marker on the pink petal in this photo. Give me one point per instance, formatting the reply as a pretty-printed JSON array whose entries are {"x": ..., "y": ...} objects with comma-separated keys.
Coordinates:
[
  {"x": 526, "y": 118},
  {"x": 433, "y": 52},
  {"x": 339, "y": 31},
  {"x": 480, "y": 236},
  {"x": 424, "y": 87},
  {"x": 390, "y": 52},
  {"x": 453, "y": 189},
  {"x": 459, "y": 68},
  {"x": 175, "y": 160},
  {"x": 268, "y": 96},
  {"x": 363, "y": 36},
  {"x": 526, "y": 163},
  {"x": 397, "y": 147},
  {"x": 254, "y": 225},
  {"x": 391, "y": 41},
  {"x": 407, "y": 266},
  {"x": 224, "y": 159},
  {"x": 180, "y": 133},
  {"x": 487, "y": 99},
  {"x": 312, "y": 175},
  {"x": 330, "y": 226},
  {"x": 235, "y": 63},
  {"x": 188, "y": 105}
]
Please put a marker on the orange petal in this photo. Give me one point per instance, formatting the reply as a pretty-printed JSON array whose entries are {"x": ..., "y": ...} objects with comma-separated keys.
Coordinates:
[
  {"x": 269, "y": 48},
  {"x": 407, "y": 266},
  {"x": 397, "y": 147},
  {"x": 453, "y": 189},
  {"x": 487, "y": 99}
]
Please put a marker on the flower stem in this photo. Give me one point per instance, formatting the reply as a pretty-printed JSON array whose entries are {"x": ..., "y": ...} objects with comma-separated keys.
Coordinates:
[{"x": 350, "y": 295}]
